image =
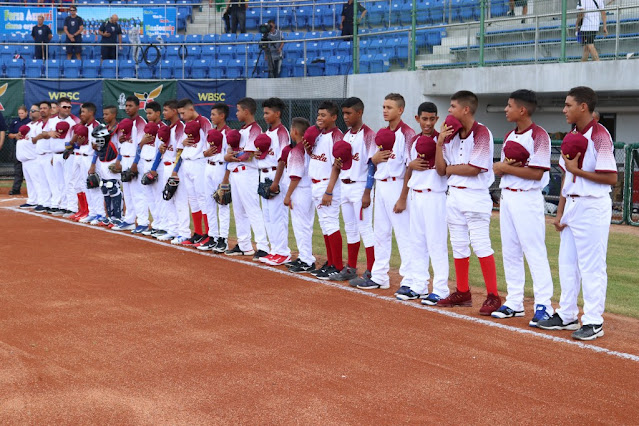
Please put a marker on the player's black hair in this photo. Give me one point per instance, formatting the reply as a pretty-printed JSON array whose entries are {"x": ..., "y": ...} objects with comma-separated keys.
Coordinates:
[
  {"x": 399, "y": 99},
  {"x": 133, "y": 99},
  {"x": 276, "y": 104},
  {"x": 185, "y": 103},
  {"x": 249, "y": 104},
  {"x": 426, "y": 107},
  {"x": 584, "y": 95},
  {"x": 223, "y": 108},
  {"x": 155, "y": 106},
  {"x": 301, "y": 124},
  {"x": 525, "y": 98},
  {"x": 47, "y": 103},
  {"x": 111, "y": 108},
  {"x": 89, "y": 106},
  {"x": 329, "y": 106},
  {"x": 65, "y": 99},
  {"x": 466, "y": 98},
  {"x": 355, "y": 103},
  {"x": 171, "y": 103}
]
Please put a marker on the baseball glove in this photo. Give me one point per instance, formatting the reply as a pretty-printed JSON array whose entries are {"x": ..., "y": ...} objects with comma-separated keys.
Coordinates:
[
  {"x": 170, "y": 187},
  {"x": 264, "y": 189},
  {"x": 223, "y": 194},
  {"x": 67, "y": 153},
  {"x": 128, "y": 175},
  {"x": 113, "y": 168},
  {"x": 93, "y": 181},
  {"x": 149, "y": 178}
]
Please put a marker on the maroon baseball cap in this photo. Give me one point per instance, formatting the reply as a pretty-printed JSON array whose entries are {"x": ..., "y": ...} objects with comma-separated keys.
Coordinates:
[
  {"x": 164, "y": 133},
  {"x": 24, "y": 130},
  {"x": 81, "y": 130},
  {"x": 311, "y": 134},
  {"x": 233, "y": 139},
  {"x": 215, "y": 138},
  {"x": 451, "y": 121},
  {"x": 573, "y": 143},
  {"x": 426, "y": 147},
  {"x": 285, "y": 151},
  {"x": 344, "y": 152},
  {"x": 126, "y": 126},
  {"x": 192, "y": 128},
  {"x": 385, "y": 139},
  {"x": 516, "y": 151},
  {"x": 263, "y": 143},
  {"x": 151, "y": 128},
  {"x": 62, "y": 127}
]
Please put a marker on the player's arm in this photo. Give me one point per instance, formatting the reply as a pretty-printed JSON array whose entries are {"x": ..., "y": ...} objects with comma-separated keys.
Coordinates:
[
  {"x": 463, "y": 170},
  {"x": 178, "y": 162},
  {"x": 275, "y": 186},
  {"x": 370, "y": 181},
  {"x": 289, "y": 193},
  {"x": 400, "y": 205},
  {"x": 603, "y": 177},
  {"x": 327, "y": 198},
  {"x": 560, "y": 207},
  {"x": 227, "y": 175},
  {"x": 530, "y": 173},
  {"x": 440, "y": 161}
]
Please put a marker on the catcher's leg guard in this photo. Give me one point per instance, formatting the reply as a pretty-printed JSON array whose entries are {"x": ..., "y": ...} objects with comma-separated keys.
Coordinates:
[
  {"x": 115, "y": 197},
  {"x": 107, "y": 198}
]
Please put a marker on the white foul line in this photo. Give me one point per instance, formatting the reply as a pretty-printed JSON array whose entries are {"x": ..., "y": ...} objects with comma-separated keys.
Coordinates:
[{"x": 439, "y": 311}]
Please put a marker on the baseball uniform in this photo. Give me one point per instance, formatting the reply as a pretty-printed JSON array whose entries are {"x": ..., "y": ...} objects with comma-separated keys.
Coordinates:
[
  {"x": 43, "y": 147},
  {"x": 303, "y": 207},
  {"x": 138, "y": 194},
  {"x": 218, "y": 216},
  {"x": 26, "y": 154},
  {"x": 61, "y": 171},
  {"x": 95, "y": 198}
]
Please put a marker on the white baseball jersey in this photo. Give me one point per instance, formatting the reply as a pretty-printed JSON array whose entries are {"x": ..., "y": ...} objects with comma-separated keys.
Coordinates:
[
  {"x": 362, "y": 144},
  {"x": 537, "y": 142},
  {"x": 58, "y": 145},
  {"x": 175, "y": 143},
  {"x": 129, "y": 148},
  {"x": 25, "y": 149},
  {"x": 196, "y": 151},
  {"x": 248, "y": 135},
  {"x": 396, "y": 164},
  {"x": 599, "y": 157},
  {"x": 279, "y": 139},
  {"x": 592, "y": 13},
  {"x": 43, "y": 146},
  {"x": 87, "y": 148},
  {"x": 322, "y": 160},
  {"x": 219, "y": 157},
  {"x": 297, "y": 165},
  {"x": 475, "y": 150},
  {"x": 422, "y": 180}
]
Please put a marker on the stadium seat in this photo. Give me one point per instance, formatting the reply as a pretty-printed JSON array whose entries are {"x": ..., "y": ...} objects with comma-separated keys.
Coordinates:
[
  {"x": 126, "y": 69},
  {"x": 377, "y": 14},
  {"x": 365, "y": 63},
  {"x": 436, "y": 10},
  {"x": 498, "y": 8},
  {"x": 144, "y": 71},
  {"x": 209, "y": 53},
  {"x": 293, "y": 50},
  {"x": 7, "y": 53},
  {"x": 376, "y": 46},
  {"x": 181, "y": 69},
  {"x": 328, "y": 48},
  {"x": 226, "y": 52},
  {"x": 333, "y": 65},
  {"x": 209, "y": 38},
  {"x": 235, "y": 68},
  {"x": 90, "y": 68},
  {"x": 26, "y": 52},
  {"x": 252, "y": 18},
  {"x": 108, "y": 69},
  {"x": 174, "y": 38},
  {"x": 285, "y": 18},
  {"x": 194, "y": 52},
  {"x": 381, "y": 63},
  {"x": 343, "y": 48},
  {"x": 315, "y": 67},
  {"x": 164, "y": 70},
  {"x": 33, "y": 68},
  {"x": 302, "y": 17},
  {"x": 218, "y": 69},
  {"x": 52, "y": 68},
  {"x": 72, "y": 68},
  {"x": 313, "y": 50},
  {"x": 193, "y": 38},
  {"x": 15, "y": 68},
  {"x": 298, "y": 70},
  {"x": 227, "y": 38},
  {"x": 200, "y": 69}
]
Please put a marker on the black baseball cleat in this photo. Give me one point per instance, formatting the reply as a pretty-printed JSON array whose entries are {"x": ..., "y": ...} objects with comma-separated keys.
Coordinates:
[
  {"x": 322, "y": 268},
  {"x": 588, "y": 332},
  {"x": 40, "y": 208},
  {"x": 221, "y": 245},
  {"x": 209, "y": 245},
  {"x": 301, "y": 267},
  {"x": 556, "y": 323},
  {"x": 259, "y": 254},
  {"x": 236, "y": 251}
]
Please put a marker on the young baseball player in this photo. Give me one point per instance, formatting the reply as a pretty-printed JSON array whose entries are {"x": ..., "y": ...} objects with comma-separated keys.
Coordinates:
[
  {"x": 467, "y": 159},
  {"x": 428, "y": 232},
  {"x": 94, "y": 197},
  {"x": 391, "y": 214},
  {"x": 355, "y": 193},
  {"x": 243, "y": 176},
  {"x": 26, "y": 154},
  {"x": 583, "y": 218},
  {"x": 275, "y": 213},
  {"x": 326, "y": 192},
  {"x": 524, "y": 166},
  {"x": 218, "y": 216},
  {"x": 154, "y": 117},
  {"x": 299, "y": 198},
  {"x": 193, "y": 168},
  {"x": 105, "y": 143}
]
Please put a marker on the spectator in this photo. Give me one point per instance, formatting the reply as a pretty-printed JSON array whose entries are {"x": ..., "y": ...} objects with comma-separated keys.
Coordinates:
[
  {"x": 275, "y": 48},
  {"x": 16, "y": 123},
  {"x": 41, "y": 34},
  {"x": 226, "y": 17},
  {"x": 134, "y": 39},
  {"x": 111, "y": 34},
  {"x": 73, "y": 28},
  {"x": 524, "y": 8},
  {"x": 348, "y": 17},
  {"x": 588, "y": 22},
  {"x": 237, "y": 11}
]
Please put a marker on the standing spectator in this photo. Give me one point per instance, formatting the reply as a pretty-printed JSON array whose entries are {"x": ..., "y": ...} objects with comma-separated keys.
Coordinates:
[
  {"x": 237, "y": 10},
  {"x": 348, "y": 17},
  {"x": 111, "y": 33},
  {"x": 275, "y": 48},
  {"x": 73, "y": 28},
  {"x": 41, "y": 34},
  {"x": 524, "y": 8},
  {"x": 134, "y": 39},
  {"x": 16, "y": 123},
  {"x": 226, "y": 17},
  {"x": 588, "y": 21}
]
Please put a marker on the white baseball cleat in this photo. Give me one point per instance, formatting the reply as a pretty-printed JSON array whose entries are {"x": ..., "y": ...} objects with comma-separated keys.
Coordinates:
[
  {"x": 166, "y": 237},
  {"x": 87, "y": 219},
  {"x": 178, "y": 240}
]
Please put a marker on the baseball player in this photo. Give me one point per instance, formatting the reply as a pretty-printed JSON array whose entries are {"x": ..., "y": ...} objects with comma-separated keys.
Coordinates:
[
  {"x": 193, "y": 169},
  {"x": 154, "y": 116},
  {"x": 41, "y": 141},
  {"x": 326, "y": 191},
  {"x": 391, "y": 214},
  {"x": 105, "y": 143},
  {"x": 428, "y": 232},
  {"x": 467, "y": 159},
  {"x": 298, "y": 197},
  {"x": 524, "y": 166},
  {"x": 243, "y": 176},
  {"x": 26, "y": 154},
  {"x": 583, "y": 218},
  {"x": 95, "y": 199},
  {"x": 275, "y": 213},
  {"x": 218, "y": 216},
  {"x": 63, "y": 168}
]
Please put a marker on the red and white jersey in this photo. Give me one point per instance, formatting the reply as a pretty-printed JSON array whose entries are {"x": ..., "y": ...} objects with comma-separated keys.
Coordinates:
[
  {"x": 129, "y": 147},
  {"x": 248, "y": 134},
  {"x": 177, "y": 137},
  {"x": 196, "y": 151},
  {"x": 43, "y": 146},
  {"x": 279, "y": 139},
  {"x": 537, "y": 142},
  {"x": 59, "y": 145},
  {"x": 425, "y": 179},
  {"x": 322, "y": 159},
  {"x": 158, "y": 142},
  {"x": 36, "y": 128},
  {"x": 297, "y": 165},
  {"x": 150, "y": 150},
  {"x": 396, "y": 164},
  {"x": 476, "y": 150},
  {"x": 87, "y": 148},
  {"x": 362, "y": 144},
  {"x": 25, "y": 149},
  {"x": 219, "y": 157},
  {"x": 599, "y": 157}
]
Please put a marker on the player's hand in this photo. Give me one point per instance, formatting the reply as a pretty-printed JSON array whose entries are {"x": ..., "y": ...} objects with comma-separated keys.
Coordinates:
[
  {"x": 366, "y": 200},
  {"x": 498, "y": 168},
  {"x": 174, "y": 174},
  {"x": 557, "y": 223},
  {"x": 327, "y": 199},
  {"x": 572, "y": 165},
  {"x": 381, "y": 156},
  {"x": 54, "y": 134},
  {"x": 92, "y": 169},
  {"x": 189, "y": 141},
  {"x": 444, "y": 132},
  {"x": 107, "y": 34},
  {"x": 418, "y": 164},
  {"x": 72, "y": 38},
  {"x": 117, "y": 166},
  {"x": 274, "y": 188},
  {"x": 400, "y": 205},
  {"x": 307, "y": 146},
  {"x": 134, "y": 167},
  {"x": 287, "y": 201},
  {"x": 94, "y": 146},
  {"x": 211, "y": 151},
  {"x": 81, "y": 140},
  {"x": 147, "y": 139},
  {"x": 123, "y": 138},
  {"x": 162, "y": 148},
  {"x": 337, "y": 164},
  {"x": 230, "y": 157}
]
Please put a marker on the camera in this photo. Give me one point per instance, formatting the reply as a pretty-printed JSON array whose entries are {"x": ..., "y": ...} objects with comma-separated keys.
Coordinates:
[{"x": 264, "y": 29}]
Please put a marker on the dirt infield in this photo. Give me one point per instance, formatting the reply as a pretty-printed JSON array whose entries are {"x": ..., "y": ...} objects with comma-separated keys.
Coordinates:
[{"x": 99, "y": 327}]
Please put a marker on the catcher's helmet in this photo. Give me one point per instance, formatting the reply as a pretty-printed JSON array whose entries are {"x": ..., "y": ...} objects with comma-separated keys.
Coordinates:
[{"x": 101, "y": 135}]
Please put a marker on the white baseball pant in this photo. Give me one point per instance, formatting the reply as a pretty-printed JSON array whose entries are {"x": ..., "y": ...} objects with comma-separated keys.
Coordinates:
[
  {"x": 523, "y": 233},
  {"x": 358, "y": 222},
  {"x": 57, "y": 184},
  {"x": 328, "y": 216},
  {"x": 159, "y": 222},
  {"x": 276, "y": 218},
  {"x": 143, "y": 195},
  {"x": 582, "y": 258},
  {"x": 95, "y": 198},
  {"x": 69, "y": 199},
  {"x": 44, "y": 191},
  {"x": 468, "y": 217},
  {"x": 177, "y": 208},
  {"x": 128, "y": 188},
  {"x": 31, "y": 171},
  {"x": 303, "y": 220},
  {"x": 429, "y": 240},
  {"x": 218, "y": 216},
  {"x": 386, "y": 222},
  {"x": 246, "y": 209},
  {"x": 193, "y": 172}
]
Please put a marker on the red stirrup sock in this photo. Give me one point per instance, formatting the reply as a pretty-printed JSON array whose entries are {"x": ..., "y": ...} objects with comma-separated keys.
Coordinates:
[
  {"x": 197, "y": 222},
  {"x": 370, "y": 257},
  {"x": 206, "y": 224},
  {"x": 329, "y": 254},
  {"x": 489, "y": 271},
  {"x": 353, "y": 251},
  {"x": 336, "y": 249},
  {"x": 85, "y": 203},
  {"x": 461, "y": 272}
]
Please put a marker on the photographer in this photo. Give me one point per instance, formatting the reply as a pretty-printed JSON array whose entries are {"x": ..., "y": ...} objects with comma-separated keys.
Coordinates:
[{"x": 274, "y": 35}]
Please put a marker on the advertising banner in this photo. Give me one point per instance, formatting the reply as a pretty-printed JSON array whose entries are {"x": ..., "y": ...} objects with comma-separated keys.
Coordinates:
[
  {"x": 116, "y": 92},
  {"x": 204, "y": 94},
  {"x": 78, "y": 91},
  {"x": 160, "y": 21},
  {"x": 16, "y": 18},
  {"x": 11, "y": 97}
]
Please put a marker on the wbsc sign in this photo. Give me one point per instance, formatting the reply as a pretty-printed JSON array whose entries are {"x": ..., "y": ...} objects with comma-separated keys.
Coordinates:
[
  {"x": 78, "y": 91},
  {"x": 205, "y": 94}
]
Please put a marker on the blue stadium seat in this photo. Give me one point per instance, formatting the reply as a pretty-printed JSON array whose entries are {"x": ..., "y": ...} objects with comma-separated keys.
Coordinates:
[
  {"x": 313, "y": 50},
  {"x": 395, "y": 13},
  {"x": 365, "y": 63},
  {"x": 436, "y": 10},
  {"x": 209, "y": 52},
  {"x": 200, "y": 69},
  {"x": 90, "y": 68},
  {"x": 295, "y": 36},
  {"x": 381, "y": 63},
  {"x": 26, "y": 52},
  {"x": 174, "y": 38},
  {"x": 218, "y": 69},
  {"x": 107, "y": 69},
  {"x": 498, "y": 8},
  {"x": 298, "y": 70},
  {"x": 193, "y": 38},
  {"x": 33, "y": 68},
  {"x": 333, "y": 65},
  {"x": 194, "y": 52},
  {"x": 181, "y": 69},
  {"x": 252, "y": 18},
  {"x": 7, "y": 53},
  {"x": 227, "y": 38},
  {"x": 302, "y": 17},
  {"x": 343, "y": 48},
  {"x": 328, "y": 48},
  {"x": 235, "y": 68},
  {"x": 226, "y": 52},
  {"x": 126, "y": 69},
  {"x": 405, "y": 14},
  {"x": 72, "y": 68},
  {"x": 52, "y": 68},
  {"x": 145, "y": 71},
  {"x": 210, "y": 38},
  {"x": 285, "y": 18},
  {"x": 15, "y": 68},
  {"x": 315, "y": 67},
  {"x": 377, "y": 13},
  {"x": 376, "y": 46},
  {"x": 165, "y": 69}
]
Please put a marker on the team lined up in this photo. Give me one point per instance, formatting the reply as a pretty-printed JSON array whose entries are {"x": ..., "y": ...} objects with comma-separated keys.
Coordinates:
[{"x": 421, "y": 186}]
